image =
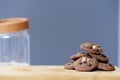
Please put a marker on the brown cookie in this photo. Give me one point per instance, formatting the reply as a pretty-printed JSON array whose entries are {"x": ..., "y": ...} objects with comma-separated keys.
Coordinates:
[
  {"x": 69, "y": 65},
  {"x": 85, "y": 64},
  {"x": 78, "y": 55},
  {"x": 105, "y": 66},
  {"x": 91, "y": 47},
  {"x": 101, "y": 57}
]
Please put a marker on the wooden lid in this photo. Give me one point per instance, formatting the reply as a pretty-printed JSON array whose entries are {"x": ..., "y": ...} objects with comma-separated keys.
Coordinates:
[{"x": 13, "y": 24}]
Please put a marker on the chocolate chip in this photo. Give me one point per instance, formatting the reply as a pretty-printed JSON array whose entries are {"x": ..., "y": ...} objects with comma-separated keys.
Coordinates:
[
  {"x": 89, "y": 65},
  {"x": 90, "y": 47}
]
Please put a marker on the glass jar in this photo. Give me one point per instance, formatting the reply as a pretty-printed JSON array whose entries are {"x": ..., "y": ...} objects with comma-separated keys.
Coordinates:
[{"x": 14, "y": 42}]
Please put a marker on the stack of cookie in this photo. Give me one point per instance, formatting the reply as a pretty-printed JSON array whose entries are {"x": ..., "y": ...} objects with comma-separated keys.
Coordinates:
[{"x": 91, "y": 59}]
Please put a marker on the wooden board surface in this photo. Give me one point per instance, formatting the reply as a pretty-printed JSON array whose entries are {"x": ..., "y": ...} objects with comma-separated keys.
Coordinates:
[{"x": 54, "y": 73}]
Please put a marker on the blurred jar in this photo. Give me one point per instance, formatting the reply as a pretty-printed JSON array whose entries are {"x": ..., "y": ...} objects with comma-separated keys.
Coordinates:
[{"x": 14, "y": 41}]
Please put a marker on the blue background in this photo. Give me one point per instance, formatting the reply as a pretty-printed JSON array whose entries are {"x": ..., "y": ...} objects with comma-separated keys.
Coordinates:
[{"x": 58, "y": 27}]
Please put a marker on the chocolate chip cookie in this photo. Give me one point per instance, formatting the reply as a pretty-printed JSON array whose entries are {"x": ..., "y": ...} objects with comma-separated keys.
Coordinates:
[
  {"x": 105, "y": 66},
  {"x": 91, "y": 59},
  {"x": 69, "y": 65},
  {"x": 85, "y": 64},
  {"x": 91, "y": 47},
  {"x": 78, "y": 55},
  {"x": 100, "y": 57}
]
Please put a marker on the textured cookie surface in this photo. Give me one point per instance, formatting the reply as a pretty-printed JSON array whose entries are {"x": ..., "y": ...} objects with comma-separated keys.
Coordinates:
[
  {"x": 78, "y": 55},
  {"x": 69, "y": 65},
  {"x": 105, "y": 66},
  {"x": 91, "y": 47},
  {"x": 85, "y": 64},
  {"x": 100, "y": 57}
]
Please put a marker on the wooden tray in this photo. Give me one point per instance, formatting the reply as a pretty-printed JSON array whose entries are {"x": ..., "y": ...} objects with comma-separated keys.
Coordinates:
[{"x": 54, "y": 73}]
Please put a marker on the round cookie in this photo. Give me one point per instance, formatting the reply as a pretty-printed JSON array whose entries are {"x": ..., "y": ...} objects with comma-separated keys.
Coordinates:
[
  {"x": 91, "y": 47},
  {"x": 85, "y": 64},
  {"x": 101, "y": 57},
  {"x": 78, "y": 55},
  {"x": 69, "y": 65},
  {"x": 105, "y": 66}
]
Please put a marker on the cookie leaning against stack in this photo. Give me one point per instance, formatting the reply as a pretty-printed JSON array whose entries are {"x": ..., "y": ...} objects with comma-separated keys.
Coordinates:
[{"x": 91, "y": 59}]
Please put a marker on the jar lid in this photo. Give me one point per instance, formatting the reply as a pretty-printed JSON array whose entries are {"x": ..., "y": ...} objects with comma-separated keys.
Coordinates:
[{"x": 13, "y": 24}]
